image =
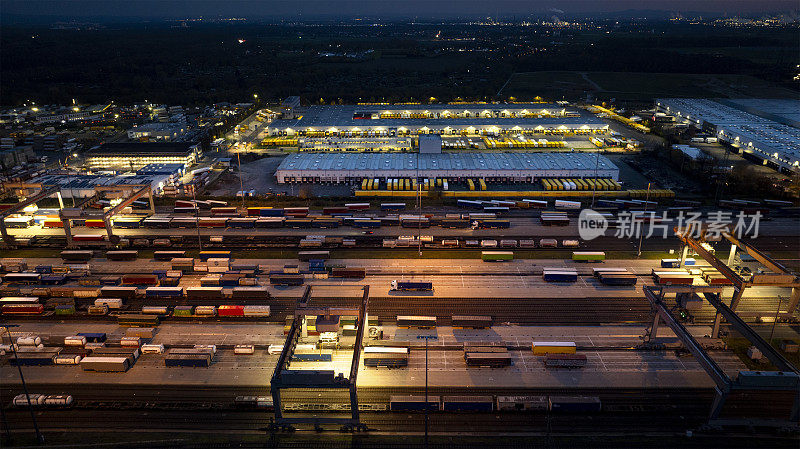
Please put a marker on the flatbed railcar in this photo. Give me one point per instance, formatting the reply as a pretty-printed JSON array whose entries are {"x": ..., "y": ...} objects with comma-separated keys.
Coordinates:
[
  {"x": 350, "y": 273},
  {"x": 138, "y": 320},
  {"x": 305, "y": 256},
  {"x": 389, "y": 360},
  {"x": 122, "y": 255},
  {"x": 490, "y": 359},
  {"x": 167, "y": 256},
  {"x": 471, "y": 322},
  {"x": 420, "y": 322},
  {"x": 565, "y": 360},
  {"x": 286, "y": 279}
]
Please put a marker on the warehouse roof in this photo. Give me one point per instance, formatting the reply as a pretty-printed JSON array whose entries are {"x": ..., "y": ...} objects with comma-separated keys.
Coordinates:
[
  {"x": 446, "y": 161},
  {"x": 132, "y": 148},
  {"x": 773, "y": 141},
  {"x": 324, "y": 117}
]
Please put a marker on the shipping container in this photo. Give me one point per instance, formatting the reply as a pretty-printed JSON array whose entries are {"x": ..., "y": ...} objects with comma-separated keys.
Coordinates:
[
  {"x": 553, "y": 347},
  {"x": 398, "y": 403},
  {"x": 467, "y": 403}
]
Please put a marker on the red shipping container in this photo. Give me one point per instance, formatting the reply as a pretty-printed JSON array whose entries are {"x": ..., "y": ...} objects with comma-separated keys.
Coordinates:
[
  {"x": 230, "y": 310},
  {"x": 24, "y": 309}
]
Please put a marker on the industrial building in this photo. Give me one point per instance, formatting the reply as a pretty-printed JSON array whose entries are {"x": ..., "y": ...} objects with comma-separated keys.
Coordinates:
[
  {"x": 441, "y": 119},
  {"x": 517, "y": 167},
  {"x": 82, "y": 186},
  {"x": 135, "y": 155},
  {"x": 769, "y": 141}
]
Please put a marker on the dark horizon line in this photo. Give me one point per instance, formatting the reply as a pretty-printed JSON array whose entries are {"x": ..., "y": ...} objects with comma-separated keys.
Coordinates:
[{"x": 647, "y": 14}]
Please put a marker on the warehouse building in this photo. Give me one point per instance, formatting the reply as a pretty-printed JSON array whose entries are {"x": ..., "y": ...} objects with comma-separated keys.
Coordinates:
[
  {"x": 771, "y": 143},
  {"x": 506, "y": 167},
  {"x": 441, "y": 119},
  {"x": 135, "y": 155},
  {"x": 82, "y": 185}
]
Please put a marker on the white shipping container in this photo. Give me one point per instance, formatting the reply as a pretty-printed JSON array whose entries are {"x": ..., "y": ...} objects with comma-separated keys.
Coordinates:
[
  {"x": 111, "y": 303},
  {"x": 131, "y": 342},
  {"x": 244, "y": 349},
  {"x": 75, "y": 340},
  {"x": 67, "y": 359},
  {"x": 152, "y": 349}
]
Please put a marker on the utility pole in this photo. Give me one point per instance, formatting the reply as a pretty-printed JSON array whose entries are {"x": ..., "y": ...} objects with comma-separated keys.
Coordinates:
[
  {"x": 774, "y": 322},
  {"x": 39, "y": 436},
  {"x": 241, "y": 182}
]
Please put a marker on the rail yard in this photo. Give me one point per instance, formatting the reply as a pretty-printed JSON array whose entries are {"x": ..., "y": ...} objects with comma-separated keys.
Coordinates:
[{"x": 256, "y": 318}]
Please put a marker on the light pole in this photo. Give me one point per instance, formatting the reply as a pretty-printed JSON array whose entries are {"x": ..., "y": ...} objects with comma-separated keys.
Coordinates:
[
  {"x": 641, "y": 234},
  {"x": 426, "y": 338},
  {"x": 777, "y": 312}
]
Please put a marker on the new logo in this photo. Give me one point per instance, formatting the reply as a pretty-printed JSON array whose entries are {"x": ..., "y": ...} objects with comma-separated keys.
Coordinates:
[{"x": 591, "y": 224}]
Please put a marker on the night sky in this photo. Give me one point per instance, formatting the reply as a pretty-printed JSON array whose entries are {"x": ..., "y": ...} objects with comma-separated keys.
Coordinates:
[{"x": 388, "y": 9}]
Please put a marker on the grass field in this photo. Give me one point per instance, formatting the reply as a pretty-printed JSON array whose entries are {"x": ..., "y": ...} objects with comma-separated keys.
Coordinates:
[{"x": 640, "y": 86}]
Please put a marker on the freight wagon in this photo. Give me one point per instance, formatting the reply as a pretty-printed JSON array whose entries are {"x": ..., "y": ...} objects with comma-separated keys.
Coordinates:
[
  {"x": 18, "y": 222},
  {"x": 399, "y": 403},
  {"x": 286, "y": 279},
  {"x": 164, "y": 292},
  {"x": 467, "y": 403},
  {"x": 350, "y": 273},
  {"x": 420, "y": 322},
  {"x": 521, "y": 403},
  {"x": 167, "y": 256}
]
